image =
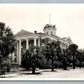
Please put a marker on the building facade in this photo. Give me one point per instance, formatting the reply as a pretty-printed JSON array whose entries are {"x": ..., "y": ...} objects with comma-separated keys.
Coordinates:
[{"x": 25, "y": 39}]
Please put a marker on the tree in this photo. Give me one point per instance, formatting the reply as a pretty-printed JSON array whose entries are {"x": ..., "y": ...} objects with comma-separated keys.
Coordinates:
[
  {"x": 26, "y": 60},
  {"x": 7, "y": 42},
  {"x": 65, "y": 63},
  {"x": 31, "y": 58},
  {"x": 52, "y": 51},
  {"x": 73, "y": 48},
  {"x": 79, "y": 57},
  {"x": 65, "y": 59}
]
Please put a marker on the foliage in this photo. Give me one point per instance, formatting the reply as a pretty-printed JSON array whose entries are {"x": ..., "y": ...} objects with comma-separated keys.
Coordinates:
[
  {"x": 52, "y": 51},
  {"x": 73, "y": 51},
  {"x": 58, "y": 64},
  {"x": 26, "y": 62},
  {"x": 7, "y": 43},
  {"x": 42, "y": 63},
  {"x": 31, "y": 58}
]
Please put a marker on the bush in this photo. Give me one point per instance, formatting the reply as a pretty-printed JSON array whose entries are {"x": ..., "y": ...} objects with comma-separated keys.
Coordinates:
[
  {"x": 14, "y": 65},
  {"x": 4, "y": 66},
  {"x": 58, "y": 64},
  {"x": 26, "y": 60},
  {"x": 42, "y": 62},
  {"x": 3, "y": 70}
]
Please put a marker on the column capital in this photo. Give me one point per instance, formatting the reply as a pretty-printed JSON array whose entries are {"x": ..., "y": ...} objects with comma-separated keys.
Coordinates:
[{"x": 19, "y": 40}]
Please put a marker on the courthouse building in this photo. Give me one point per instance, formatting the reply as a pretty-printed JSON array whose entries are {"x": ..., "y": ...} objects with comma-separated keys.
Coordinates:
[{"x": 25, "y": 39}]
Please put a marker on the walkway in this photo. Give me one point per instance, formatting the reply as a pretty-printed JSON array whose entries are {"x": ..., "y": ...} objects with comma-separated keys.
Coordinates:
[{"x": 44, "y": 74}]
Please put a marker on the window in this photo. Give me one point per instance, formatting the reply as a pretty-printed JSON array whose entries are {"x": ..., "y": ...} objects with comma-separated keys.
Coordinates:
[
  {"x": 42, "y": 40},
  {"x": 47, "y": 33},
  {"x": 51, "y": 33}
]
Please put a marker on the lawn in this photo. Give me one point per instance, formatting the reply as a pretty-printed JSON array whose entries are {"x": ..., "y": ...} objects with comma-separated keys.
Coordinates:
[{"x": 46, "y": 74}]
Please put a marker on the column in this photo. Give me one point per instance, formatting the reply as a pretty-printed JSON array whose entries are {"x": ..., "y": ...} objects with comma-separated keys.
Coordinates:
[
  {"x": 38, "y": 42},
  {"x": 34, "y": 41},
  {"x": 19, "y": 52},
  {"x": 27, "y": 44},
  {"x": 13, "y": 56}
]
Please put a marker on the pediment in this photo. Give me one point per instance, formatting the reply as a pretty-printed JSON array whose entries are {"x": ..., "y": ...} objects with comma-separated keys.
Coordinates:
[{"x": 23, "y": 33}]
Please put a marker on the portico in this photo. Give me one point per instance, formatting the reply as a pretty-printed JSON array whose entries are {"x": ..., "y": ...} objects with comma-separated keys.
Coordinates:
[
  {"x": 25, "y": 41},
  {"x": 27, "y": 45}
]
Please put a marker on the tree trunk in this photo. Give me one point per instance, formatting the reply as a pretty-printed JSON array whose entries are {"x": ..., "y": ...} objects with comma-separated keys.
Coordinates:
[
  {"x": 33, "y": 68},
  {"x": 65, "y": 64},
  {"x": 80, "y": 65},
  {"x": 52, "y": 64},
  {"x": 73, "y": 62}
]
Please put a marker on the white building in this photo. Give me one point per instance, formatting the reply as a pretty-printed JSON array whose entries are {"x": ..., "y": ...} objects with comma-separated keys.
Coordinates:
[{"x": 25, "y": 39}]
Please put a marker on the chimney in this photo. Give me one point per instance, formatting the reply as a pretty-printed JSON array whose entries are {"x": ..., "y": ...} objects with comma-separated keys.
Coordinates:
[{"x": 35, "y": 32}]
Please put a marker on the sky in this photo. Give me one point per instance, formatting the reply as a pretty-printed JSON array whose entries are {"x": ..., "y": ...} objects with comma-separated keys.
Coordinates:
[{"x": 68, "y": 18}]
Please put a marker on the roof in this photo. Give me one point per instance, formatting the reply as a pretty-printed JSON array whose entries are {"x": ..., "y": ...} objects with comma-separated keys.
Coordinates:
[
  {"x": 54, "y": 36},
  {"x": 49, "y": 26},
  {"x": 67, "y": 39},
  {"x": 23, "y": 32},
  {"x": 26, "y": 33}
]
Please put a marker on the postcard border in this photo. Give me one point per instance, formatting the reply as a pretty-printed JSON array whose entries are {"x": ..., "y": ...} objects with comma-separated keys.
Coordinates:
[{"x": 43, "y": 1}]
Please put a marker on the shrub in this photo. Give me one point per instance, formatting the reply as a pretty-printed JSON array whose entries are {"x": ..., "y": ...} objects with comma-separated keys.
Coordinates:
[
  {"x": 4, "y": 66},
  {"x": 58, "y": 64},
  {"x": 42, "y": 62}
]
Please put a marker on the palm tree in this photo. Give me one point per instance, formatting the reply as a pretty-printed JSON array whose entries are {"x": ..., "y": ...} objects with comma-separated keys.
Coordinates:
[
  {"x": 52, "y": 51},
  {"x": 73, "y": 48},
  {"x": 7, "y": 41}
]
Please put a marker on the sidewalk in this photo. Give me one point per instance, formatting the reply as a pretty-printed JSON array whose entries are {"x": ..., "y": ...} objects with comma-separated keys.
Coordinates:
[{"x": 46, "y": 73}]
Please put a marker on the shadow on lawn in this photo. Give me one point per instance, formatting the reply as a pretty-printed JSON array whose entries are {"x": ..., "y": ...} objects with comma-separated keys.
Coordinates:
[
  {"x": 49, "y": 71},
  {"x": 37, "y": 73},
  {"x": 56, "y": 70}
]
